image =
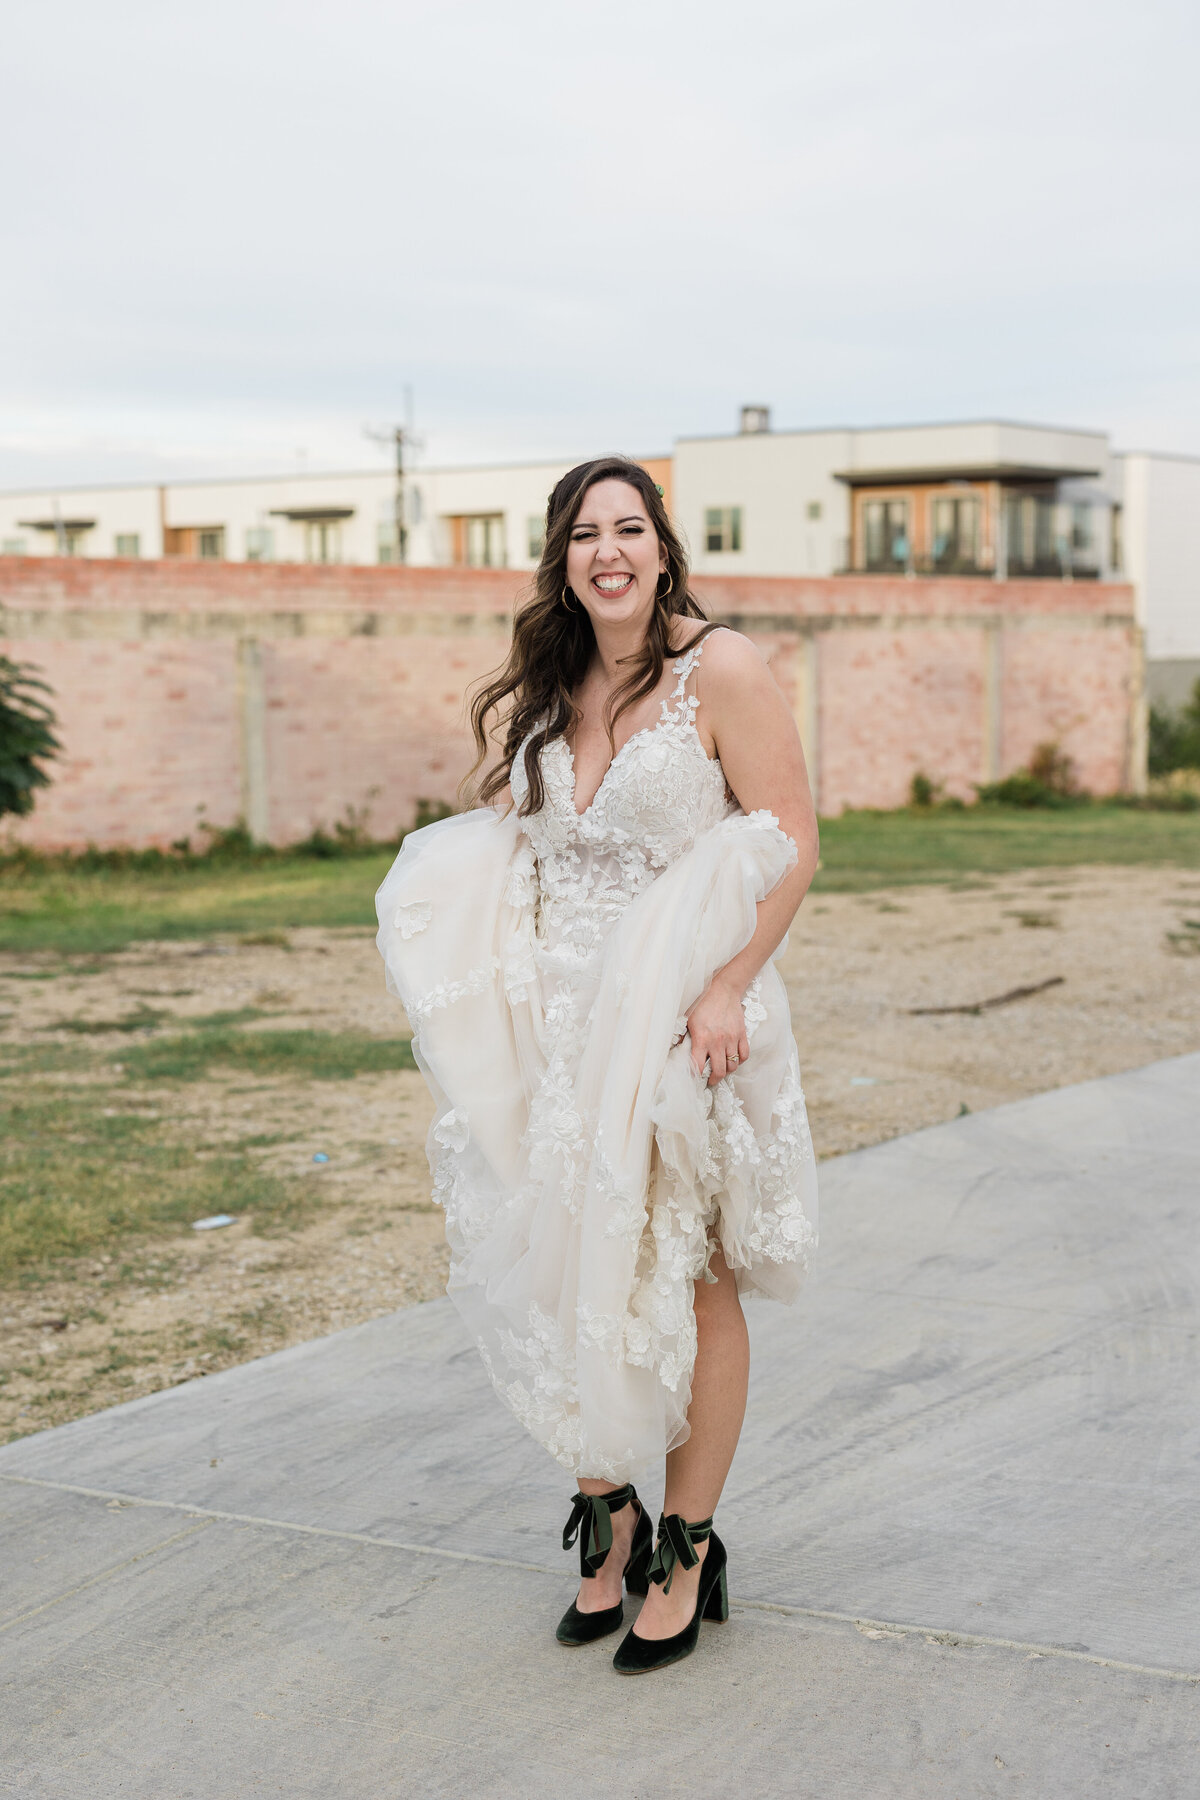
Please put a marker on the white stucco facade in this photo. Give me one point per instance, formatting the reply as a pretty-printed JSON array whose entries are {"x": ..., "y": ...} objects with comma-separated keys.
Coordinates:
[
  {"x": 37, "y": 523},
  {"x": 344, "y": 517},
  {"x": 1161, "y": 528},
  {"x": 795, "y": 502},
  {"x": 795, "y": 514}
]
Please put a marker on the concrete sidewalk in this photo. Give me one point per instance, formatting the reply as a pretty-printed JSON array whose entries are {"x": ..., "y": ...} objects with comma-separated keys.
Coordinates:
[{"x": 961, "y": 1527}]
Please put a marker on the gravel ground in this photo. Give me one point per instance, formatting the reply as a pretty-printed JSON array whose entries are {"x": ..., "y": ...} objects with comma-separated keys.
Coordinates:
[{"x": 1125, "y": 944}]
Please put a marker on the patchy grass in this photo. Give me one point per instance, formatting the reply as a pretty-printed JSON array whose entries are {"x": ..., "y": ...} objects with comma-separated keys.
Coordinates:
[
  {"x": 77, "y": 910},
  {"x": 864, "y": 850},
  {"x": 142, "y": 1018},
  {"x": 85, "y": 1166},
  {"x": 304, "y": 1055},
  {"x": 148, "y": 1018},
  {"x": 80, "y": 910},
  {"x": 79, "y": 1174}
]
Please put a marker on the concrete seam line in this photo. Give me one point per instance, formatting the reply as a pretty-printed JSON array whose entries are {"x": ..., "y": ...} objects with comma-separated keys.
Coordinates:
[
  {"x": 105, "y": 1575},
  {"x": 947, "y": 1634},
  {"x": 209, "y": 1513},
  {"x": 934, "y": 1633}
]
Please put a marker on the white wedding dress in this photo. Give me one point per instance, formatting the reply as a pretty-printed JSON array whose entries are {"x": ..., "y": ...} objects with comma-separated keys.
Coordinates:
[{"x": 546, "y": 965}]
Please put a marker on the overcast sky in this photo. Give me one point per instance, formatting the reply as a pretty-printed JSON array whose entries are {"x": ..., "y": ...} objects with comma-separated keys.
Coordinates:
[{"x": 234, "y": 231}]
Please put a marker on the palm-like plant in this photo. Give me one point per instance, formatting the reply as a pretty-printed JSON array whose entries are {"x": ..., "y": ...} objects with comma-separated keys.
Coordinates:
[{"x": 27, "y": 737}]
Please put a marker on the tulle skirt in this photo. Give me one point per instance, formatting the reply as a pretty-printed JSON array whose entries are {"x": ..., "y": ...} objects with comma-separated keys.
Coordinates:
[{"x": 587, "y": 1172}]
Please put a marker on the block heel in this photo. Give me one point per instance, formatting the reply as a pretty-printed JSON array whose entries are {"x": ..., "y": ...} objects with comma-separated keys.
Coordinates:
[{"x": 716, "y": 1607}]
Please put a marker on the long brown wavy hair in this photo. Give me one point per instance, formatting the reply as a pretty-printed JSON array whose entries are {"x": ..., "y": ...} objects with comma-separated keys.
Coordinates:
[{"x": 553, "y": 642}]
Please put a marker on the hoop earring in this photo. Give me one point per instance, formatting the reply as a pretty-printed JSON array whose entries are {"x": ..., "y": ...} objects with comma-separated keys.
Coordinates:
[
  {"x": 670, "y": 586},
  {"x": 567, "y": 604}
]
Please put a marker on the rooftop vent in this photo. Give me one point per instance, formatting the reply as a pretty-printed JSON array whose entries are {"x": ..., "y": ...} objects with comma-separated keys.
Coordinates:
[{"x": 755, "y": 419}]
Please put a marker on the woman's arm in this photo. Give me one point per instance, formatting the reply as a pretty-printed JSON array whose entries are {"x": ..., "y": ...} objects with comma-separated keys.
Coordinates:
[{"x": 746, "y": 720}]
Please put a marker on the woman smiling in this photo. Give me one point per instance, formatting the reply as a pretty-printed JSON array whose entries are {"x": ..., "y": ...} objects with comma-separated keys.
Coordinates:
[{"x": 621, "y": 1145}]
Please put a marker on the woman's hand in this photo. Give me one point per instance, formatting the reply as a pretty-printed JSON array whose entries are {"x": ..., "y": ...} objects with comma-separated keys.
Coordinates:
[{"x": 717, "y": 1028}]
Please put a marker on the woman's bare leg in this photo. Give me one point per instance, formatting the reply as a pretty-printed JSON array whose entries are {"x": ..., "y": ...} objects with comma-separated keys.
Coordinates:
[
  {"x": 597, "y": 1592},
  {"x": 696, "y": 1471}
]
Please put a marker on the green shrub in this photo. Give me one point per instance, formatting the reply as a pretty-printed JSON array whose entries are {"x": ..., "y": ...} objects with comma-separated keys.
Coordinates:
[
  {"x": 219, "y": 846},
  {"x": 1049, "y": 779},
  {"x": 1175, "y": 737},
  {"x": 27, "y": 737}
]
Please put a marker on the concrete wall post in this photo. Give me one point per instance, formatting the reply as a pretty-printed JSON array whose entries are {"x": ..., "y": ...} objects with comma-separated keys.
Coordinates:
[
  {"x": 992, "y": 763},
  {"x": 252, "y": 713},
  {"x": 808, "y": 710}
]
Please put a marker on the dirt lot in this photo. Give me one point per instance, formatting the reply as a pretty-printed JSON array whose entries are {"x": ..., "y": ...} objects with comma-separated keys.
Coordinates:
[{"x": 163, "y": 1309}]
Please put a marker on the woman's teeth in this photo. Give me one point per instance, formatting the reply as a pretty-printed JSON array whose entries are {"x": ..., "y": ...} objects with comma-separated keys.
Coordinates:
[{"x": 612, "y": 584}]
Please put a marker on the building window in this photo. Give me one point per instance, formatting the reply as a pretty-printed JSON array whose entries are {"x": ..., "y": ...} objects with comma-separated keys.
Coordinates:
[
  {"x": 385, "y": 541},
  {"x": 13, "y": 547},
  {"x": 485, "y": 542},
  {"x": 813, "y": 510},
  {"x": 536, "y": 538},
  {"x": 723, "y": 528},
  {"x": 260, "y": 543},
  {"x": 194, "y": 540},
  {"x": 885, "y": 536},
  {"x": 128, "y": 543},
  {"x": 956, "y": 529},
  {"x": 477, "y": 540},
  {"x": 1032, "y": 549},
  {"x": 322, "y": 541},
  {"x": 1116, "y": 546}
]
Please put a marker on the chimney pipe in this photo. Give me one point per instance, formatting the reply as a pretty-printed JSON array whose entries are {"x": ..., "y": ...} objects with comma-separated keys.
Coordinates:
[{"x": 755, "y": 419}]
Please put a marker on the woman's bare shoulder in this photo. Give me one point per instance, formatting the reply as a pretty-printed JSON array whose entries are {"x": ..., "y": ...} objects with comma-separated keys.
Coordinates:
[{"x": 733, "y": 667}]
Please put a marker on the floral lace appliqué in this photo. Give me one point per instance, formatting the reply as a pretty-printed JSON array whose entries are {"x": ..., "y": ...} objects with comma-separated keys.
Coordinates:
[{"x": 571, "y": 880}]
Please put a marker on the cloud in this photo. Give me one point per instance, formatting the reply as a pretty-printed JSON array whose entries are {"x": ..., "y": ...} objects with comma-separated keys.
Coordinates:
[{"x": 237, "y": 229}]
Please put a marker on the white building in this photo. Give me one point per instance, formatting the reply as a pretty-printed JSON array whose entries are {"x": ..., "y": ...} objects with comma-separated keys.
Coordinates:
[
  {"x": 971, "y": 499},
  {"x": 984, "y": 498},
  {"x": 480, "y": 517},
  {"x": 1160, "y": 523},
  {"x": 980, "y": 498}
]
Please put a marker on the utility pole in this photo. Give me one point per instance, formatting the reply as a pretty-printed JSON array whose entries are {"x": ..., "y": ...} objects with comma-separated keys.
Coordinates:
[
  {"x": 400, "y": 433},
  {"x": 402, "y": 438}
]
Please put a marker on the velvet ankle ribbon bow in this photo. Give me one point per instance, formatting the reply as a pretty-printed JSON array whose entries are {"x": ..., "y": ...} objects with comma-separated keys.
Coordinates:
[
  {"x": 676, "y": 1547},
  {"x": 591, "y": 1524}
]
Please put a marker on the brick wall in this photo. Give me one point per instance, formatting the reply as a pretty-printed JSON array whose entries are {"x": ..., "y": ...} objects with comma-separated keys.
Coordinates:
[{"x": 287, "y": 694}]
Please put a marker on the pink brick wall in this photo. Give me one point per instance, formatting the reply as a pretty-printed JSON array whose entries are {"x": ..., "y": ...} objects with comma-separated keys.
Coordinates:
[
  {"x": 374, "y": 723},
  {"x": 362, "y": 674},
  {"x": 896, "y": 701},
  {"x": 1066, "y": 684},
  {"x": 150, "y": 732}
]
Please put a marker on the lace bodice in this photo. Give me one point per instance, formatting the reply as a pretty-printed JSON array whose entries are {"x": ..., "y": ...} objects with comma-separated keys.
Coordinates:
[{"x": 660, "y": 791}]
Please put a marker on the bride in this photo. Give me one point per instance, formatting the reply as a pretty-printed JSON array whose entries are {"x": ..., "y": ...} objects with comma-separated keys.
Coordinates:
[{"x": 620, "y": 1143}]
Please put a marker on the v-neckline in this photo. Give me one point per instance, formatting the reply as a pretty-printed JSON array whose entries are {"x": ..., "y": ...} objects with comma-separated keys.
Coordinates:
[
  {"x": 673, "y": 705},
  {"x": 646, "y": 731}
]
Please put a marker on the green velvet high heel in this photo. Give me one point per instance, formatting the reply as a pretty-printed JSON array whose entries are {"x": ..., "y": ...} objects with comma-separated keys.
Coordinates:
[
  {"x": 676, "y": 1548},
  {"x": 591, "y": 1523}
]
